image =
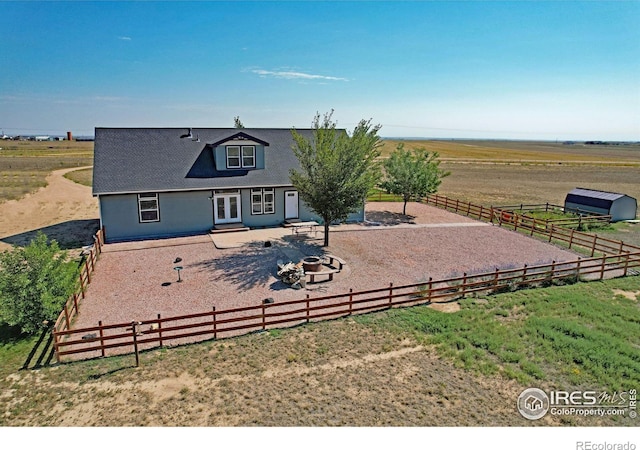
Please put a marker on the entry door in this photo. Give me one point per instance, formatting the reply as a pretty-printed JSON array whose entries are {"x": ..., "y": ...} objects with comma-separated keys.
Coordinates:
[
  {"x": 291, "y": 205},
  {"x": 226, "y": 208}
]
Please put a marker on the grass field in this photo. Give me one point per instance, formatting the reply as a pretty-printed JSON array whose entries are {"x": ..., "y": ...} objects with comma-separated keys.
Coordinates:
[
  {"x": 24, "y": 165},
  {"x": 370, "y": 370}
]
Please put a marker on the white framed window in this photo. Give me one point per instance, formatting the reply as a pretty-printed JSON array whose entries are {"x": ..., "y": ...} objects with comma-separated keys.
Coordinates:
[
  {"x": 241, "y": 157},
  {"x": 233, "y": 157},
  {"x": 268, "y": 200},
  {"x": 148, "y": 208},
  {"x": 248, "y": 156},
  {"x": 263, "y": 201}
]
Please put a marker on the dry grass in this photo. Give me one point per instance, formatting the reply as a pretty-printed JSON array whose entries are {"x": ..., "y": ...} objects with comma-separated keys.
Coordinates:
[
  {"x": 24, "y": 165},
  {"x": 82, "y": 176}
]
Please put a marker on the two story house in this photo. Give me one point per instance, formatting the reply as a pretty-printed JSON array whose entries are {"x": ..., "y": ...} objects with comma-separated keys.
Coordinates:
[{"x": 162, "y": 182}]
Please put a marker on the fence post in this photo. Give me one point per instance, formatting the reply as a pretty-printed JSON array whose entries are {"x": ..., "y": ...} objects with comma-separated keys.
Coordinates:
[
  {"x": 457, "y": 204},
  {"x": 578, "y": 269},
  {"x": 134, "y": 324},
  {"x": 620, "y": 250},
  {"x": 307, "y": 308},
  {"x": 468, "y": 208},
  {"x": 92, "y": 259},
  {"x": 86, "y": 264},
  {"x": 524, "y": 275},
  {"x": 350, "y": 300},
  {"x": 604, "y": 258},
  {"x": 495, "y": 280},
  {"x": 75, "y": 302},
  {"x": 101, "y": 338},
  {"x": 515, "y": 226},
  {"x": 626, "y": 264},
  {"x": 82, "y": 287},
  {"x": 571, "y": 238},
  {"x": 464, "y": 284},
  {"x": 55, "y": 344},
  {"x": 593, "y": 247},
  {"x": 390, "y": 294},
  {"x": 215, "y": 325},
  {"x": 492, "y": 214},
  {"x": 264, "y": 324},
  {"x": 480, "y": 217},
  {"x": 66, "y": 315},
  {"x": 546, "y": 209},
  {"x": 550, "y": 232},
  {"x": 553, "y": 269},
  {"x": 533, "y": 227},
  {"x": 430, "y": 286}
]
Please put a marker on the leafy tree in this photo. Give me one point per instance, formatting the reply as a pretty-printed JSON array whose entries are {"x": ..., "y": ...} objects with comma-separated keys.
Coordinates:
[
  {"x": 237, "y": 123},
  {"x": 412, "y": 174},
  {"x": 35, "y": 281},
  {"x": 337, "y": 169}
]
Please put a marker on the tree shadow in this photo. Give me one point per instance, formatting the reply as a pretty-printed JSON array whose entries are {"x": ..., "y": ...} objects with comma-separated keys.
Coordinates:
[
  {"x": 389, "y": 218},
  {"x": 247, "y": 267},
  {"x": 255, "y": 264},
  {"x": 71, "y": 234}
]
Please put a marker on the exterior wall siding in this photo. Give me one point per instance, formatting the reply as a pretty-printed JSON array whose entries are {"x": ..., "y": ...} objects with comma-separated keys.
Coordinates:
[
  {"x": 190, "y": 212},
  {"x": 624, "y": 209},
  {"x": 181, "y": 213}
]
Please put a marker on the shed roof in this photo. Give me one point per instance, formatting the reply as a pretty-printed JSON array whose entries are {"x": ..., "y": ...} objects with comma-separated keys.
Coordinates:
[
  {"x": 129, "y": 160},
  {"x": 592, "y": 193}
]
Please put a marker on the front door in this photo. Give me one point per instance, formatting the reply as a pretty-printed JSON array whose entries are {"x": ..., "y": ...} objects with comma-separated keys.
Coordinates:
[
  {"x": 291, "y": 205},
  {"x": 226, "y": 208}
]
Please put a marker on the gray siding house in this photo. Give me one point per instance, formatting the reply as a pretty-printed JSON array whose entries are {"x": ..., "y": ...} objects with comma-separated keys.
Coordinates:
[{"x": 163, "y": 182}]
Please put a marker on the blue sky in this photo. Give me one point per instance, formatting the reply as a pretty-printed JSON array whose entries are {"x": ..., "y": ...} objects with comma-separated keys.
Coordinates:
[{"x": 477, "y": 69}]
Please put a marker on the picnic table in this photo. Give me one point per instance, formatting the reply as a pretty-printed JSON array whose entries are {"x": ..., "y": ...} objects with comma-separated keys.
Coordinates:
[{"x": 303, "y": 227}]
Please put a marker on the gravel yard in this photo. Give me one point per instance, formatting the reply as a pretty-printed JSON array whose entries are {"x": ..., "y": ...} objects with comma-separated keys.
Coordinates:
[{"x": 137, "y": 280}]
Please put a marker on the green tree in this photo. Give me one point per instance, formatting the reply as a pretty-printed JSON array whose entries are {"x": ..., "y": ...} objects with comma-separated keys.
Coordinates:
[
  {"x": 337, "y": 170},
  {"x": 237, "y": 123},
  {"x": 412, "y": 174},
  {"x": 35, "y": 281}
]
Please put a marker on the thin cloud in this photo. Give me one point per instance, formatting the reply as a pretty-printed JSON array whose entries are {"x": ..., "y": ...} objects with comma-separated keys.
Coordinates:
[
  {"x": 124, "y": 38},
  {"x": 290, "y": 75}
]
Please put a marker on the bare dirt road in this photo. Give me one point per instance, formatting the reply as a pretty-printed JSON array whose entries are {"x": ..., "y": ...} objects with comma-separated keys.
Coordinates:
[{"x": 63, "y": 210}]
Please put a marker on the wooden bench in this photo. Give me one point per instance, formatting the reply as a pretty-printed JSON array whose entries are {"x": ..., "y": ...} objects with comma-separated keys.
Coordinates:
[
  {"x": 334, "y": 261},
  {"x": 328, "y": 272}
]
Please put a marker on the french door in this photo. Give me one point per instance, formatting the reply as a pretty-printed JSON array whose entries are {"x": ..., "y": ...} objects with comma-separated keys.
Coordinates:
[{"x": 226, "y": 207}]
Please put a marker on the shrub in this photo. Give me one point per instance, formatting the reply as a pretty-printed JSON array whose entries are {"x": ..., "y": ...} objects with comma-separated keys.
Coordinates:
[{"x": 35, "y": 281}]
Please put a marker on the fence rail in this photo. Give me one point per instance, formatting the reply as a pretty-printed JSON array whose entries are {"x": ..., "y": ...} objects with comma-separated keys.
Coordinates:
[
  {"x": 70, "y": 307},
  {"x": 607, "y": 257},
  {"x": 530, "y": 225},
  {"x": 131, "y": 336}
]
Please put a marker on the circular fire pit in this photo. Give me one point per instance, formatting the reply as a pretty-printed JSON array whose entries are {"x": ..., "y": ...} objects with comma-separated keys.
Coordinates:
[{"x": 312, "y": 264}]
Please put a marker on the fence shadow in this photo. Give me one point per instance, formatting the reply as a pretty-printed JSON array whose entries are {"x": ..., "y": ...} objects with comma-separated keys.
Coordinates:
[
  {"x": 70, "y": 234},
  {"x": 43, "y": 349}
]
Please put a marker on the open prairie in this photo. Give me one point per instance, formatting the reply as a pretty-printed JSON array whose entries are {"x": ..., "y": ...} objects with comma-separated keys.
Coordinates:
[{"x": 412, "y": 367}]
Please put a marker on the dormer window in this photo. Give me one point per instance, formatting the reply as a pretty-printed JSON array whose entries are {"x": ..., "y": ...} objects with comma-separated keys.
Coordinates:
[{"x": 241, "y": 156}]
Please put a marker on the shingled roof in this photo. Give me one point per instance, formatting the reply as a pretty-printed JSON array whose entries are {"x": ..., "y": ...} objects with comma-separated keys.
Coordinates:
[{"x": 130, "y": 160}]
